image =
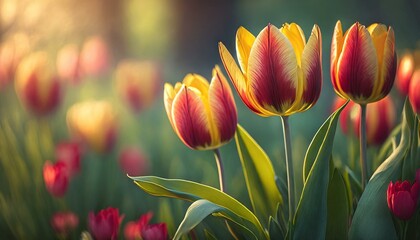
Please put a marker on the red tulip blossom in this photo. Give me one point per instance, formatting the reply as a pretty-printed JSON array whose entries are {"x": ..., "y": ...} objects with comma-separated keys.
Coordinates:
[
  {"x": 56, "y": 178},
  {"x": 70, "y": 154},
  {"x": 133, "y": 161},
  {"x": 402, "y": 198},
  {"x": 105, "y": 224},
  {"x": 143, "y": 230},
  {"x": 414, "y": 91},
  {"x": 64, "y": 222}
]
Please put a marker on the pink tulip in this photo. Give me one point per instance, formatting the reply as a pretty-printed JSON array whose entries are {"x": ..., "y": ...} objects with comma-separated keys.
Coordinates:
[
  {"x": 70, "y": 154},
  {"x": 64, "y": 222},
  {"x": 68, "y": 64},
  {"x": 133, "y": 161},
  {"x": 414, "y": 91},
  {"x": 143, "y": 230},
  {"x": 56, "y": 178},
  {"x": 402, "y": 198},
  {"x": 95, "y": 57}
]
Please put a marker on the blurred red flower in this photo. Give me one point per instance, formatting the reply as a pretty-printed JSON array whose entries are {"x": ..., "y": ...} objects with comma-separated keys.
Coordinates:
[
  {"x": 105, "y": 224},
  {"x": 70, "y": 154},
  {"x": 143, "y": 230},
  {"x": 133, "y": 161},
  {"x": 402, "y": 198},
  {"x": 56, "y": 178},
  {"x": 64, "y": 222}
]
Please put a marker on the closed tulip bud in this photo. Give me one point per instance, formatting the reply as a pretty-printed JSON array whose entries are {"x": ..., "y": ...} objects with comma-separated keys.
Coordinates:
[
  {"x": 402, "y": 198},
  {"x": 363, "y": 62},
  {"x": 279, "y": 72},
  {"x": 94, "y": 123},
  {"x": 64, "y": 222},
  {"x": 68, "y": 64},
  {"x": 404, "y": 73},
  {"x": 138, "y": 83},
  {"x": 70, "y": 154},
  {"x": 133, "y": 161},
  {"x": 414, "y": 92},
  {"x": 203, "y": 115},
  {"x": 105, "y": 224},
  {"x": 95, "y": 57},
  {"x": 37, "y": 84},
  {"x": 56, "y": 178},
  {"x": 155, "y": 232},
  {"x": 11, "y": 53}
]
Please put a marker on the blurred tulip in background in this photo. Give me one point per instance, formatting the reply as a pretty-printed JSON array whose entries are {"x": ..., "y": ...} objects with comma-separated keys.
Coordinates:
[
  {"x": 105, "y": 224},
  {"x": 68, "y": 64},
  {"x": 133, "y": 161},
  {"x": 64, "y": 222},
  {"x": 405, "y": 72},
  {"x": 414, "y": 91},
  {"x": 56, "y": 178},
  {"x": 141, "y": 229},
  {"x": 69, "y": 153},
  {"x": 95, "y": 58}
]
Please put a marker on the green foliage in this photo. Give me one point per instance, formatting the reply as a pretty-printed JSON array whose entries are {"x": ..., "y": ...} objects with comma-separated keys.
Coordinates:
[
  {"x": 259, "y": 176},
  {"x": 191, "y": 191}
]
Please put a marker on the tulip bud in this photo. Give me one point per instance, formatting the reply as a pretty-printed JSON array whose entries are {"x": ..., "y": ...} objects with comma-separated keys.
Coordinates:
[
  {"x": 363, "y": 62},
  {"x": 94, "y": 123},
  {"x": 105, "y": 224},
  {"x": 203, "y": 115},
  {"x": 56, "y": 178},
  {"x": 11, "y": 53},
  {"x": 404, "y": 73},
  {"x": 70, "y": 154},
  {"x": 402, "y": 198},
  {"x": 133, "y": 161},
  {"x": 95, "y": 57},
  {"x": 37, "y": 85},
  {"x": 142, "y": 230},
  {"x": 280, "y": 73},
  {"x": 414, "y": 92},
  {"x": 64, "y": 222},
  {"x": 68, "y": 64},
  {"x": 138, "y": 83}
]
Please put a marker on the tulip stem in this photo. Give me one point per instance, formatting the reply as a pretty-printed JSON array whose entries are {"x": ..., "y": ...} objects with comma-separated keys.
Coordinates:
[
  {"x": 363, "y": 146},
  {"x": 219, "y": 164},
  {"x": 289, "y": 167}
]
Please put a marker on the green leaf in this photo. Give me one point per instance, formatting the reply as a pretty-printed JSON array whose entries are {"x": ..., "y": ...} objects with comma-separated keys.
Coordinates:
[
  {"x": 200, "y": 209},
  {"x": 259, "y": 176},
  {"x": 311, "y": 216},
  {"x": 192, "y": 191},
  {"x": 372, "y": 219},
  {"x": 275, "y": 230},
  {"x": 338, "y": 208}
]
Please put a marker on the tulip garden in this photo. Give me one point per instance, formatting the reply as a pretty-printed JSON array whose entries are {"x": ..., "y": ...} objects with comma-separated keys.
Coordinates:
[{"x": 291, "y": 132}]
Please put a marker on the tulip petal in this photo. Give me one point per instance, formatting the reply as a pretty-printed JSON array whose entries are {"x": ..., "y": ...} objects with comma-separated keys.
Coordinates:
[
  {"x": 296, "y": 37},
  {"x": 272, "y": 71},
  {"x": 238, "y": 79},
  {"x": 389, "y": 65},
  {"x": 197, "y": 81},
  {"x": 357, "y": 66},
  {"x": 190, "y": 119},
  {"x": 336, "y": 48},
  {"x": 244, "y": 41},
  {"x": 312, "y": 69},
  {"x": 403, "y": 205},
  {"x": 222, "y": 106}
]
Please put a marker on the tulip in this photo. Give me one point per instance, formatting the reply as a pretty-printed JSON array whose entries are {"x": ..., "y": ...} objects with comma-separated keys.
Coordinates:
[
  {"x": 37, "y": 85},
  {"x": 402, "y": 198},
  {"x": 280, "y": 73},
  {"x": 105, "y": 224},
  {"x": 203, "y": 115},
  {"x": 95, "y": 57},
  {"x": 11, "y": 53},
  {"x": 363, "y": 62},
  {"x": 142, "y": 230},
  {"x": 404, "y": 73},
  {"x": 94, "y": 123},
  {"x": 380, "y": 119},
  {"x": 68, "y": 64},
  {"x": 138, "y": 82},
  {"x": 56, "y": 178},
  {"x": 414, "y": 92},
  {"x": 133, "y": 161},
  {"x": 70, "y": 154},
  {"x": 64, "y": 222}
]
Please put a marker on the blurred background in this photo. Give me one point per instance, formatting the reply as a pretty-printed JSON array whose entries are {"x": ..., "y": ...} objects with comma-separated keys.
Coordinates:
[{"x": 90, "y": 51}]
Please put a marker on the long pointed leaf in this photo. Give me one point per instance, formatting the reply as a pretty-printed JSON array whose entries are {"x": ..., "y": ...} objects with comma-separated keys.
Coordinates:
[
  {"x": 259, "y": 176},
  {"x": 372, "y": 219},
  {"x": 310, "y": 220},
  {"x": 192, "y": 191},
  {"x": 200, "y": 209}
]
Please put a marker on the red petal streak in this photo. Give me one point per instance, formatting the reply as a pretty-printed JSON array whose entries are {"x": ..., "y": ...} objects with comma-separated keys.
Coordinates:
[
  {"x": 336, "y": 48},
  {"x": 222, "y": 106},
  {"x": 357, "y": 66},
  {"x": 389, "y": 64},
  {"x": 272, "y": 74},
  {"x": 190, "y": 119}
]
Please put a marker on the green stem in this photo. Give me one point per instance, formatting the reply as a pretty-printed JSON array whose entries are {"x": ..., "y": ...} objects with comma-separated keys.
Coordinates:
[
  {"x": 219, "y": 164},
  {"x": 363, "y": 146},
  {"x": 289, "y": 167}
]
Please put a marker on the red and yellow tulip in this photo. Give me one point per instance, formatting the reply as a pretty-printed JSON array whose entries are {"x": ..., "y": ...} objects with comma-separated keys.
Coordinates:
[
  {"x": 37, "y": 84},
  {"x": 93, "y": 123},
  {"x": 203, "y": 115},
  {"x": 279, "y": 72},
  {"x": 363, "y": 62},
  {"x": 404, "y": 73}
]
